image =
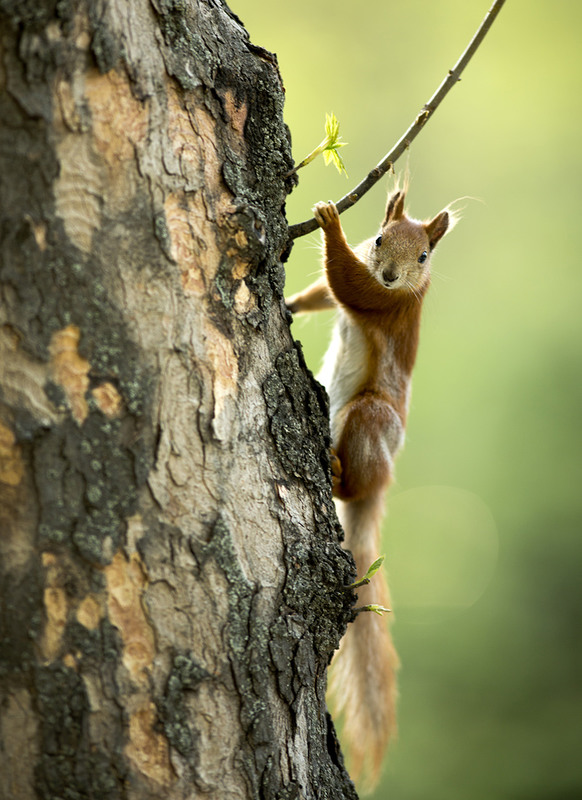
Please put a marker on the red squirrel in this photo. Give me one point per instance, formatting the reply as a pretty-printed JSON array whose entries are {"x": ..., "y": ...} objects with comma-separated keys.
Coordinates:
[{"x": 378, "y": 289}]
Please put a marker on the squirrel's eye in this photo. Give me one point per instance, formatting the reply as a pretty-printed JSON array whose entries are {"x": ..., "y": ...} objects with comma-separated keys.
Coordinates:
[
  {"x": 423, "y": 257},
  {"x": 378, "y": 241}
]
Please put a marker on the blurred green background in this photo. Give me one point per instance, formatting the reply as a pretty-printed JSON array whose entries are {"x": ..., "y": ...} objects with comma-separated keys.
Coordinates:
[{"x": 483, "y": 527}]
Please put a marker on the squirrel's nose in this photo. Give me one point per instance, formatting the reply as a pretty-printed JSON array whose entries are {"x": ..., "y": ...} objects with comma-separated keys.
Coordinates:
[{"x": 389, "y": 276}]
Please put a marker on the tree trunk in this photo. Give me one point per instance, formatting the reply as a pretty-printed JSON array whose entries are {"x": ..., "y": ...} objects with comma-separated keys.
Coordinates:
[{"x": 170, "y": 575}]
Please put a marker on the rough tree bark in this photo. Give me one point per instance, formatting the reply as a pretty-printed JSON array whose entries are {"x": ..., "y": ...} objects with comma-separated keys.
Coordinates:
[{"x": 170, "y": 569}]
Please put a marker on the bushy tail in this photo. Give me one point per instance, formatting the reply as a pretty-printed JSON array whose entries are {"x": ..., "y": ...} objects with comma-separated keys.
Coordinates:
[{"x": 362, "y": 686}]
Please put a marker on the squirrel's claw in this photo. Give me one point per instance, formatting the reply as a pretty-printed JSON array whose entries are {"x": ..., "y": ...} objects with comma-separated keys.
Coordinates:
[{"x": 325, "y": 214}]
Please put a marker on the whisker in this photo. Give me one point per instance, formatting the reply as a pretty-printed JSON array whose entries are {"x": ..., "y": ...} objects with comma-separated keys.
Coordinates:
[
  {"x": 440, "y": 275},
  {"x": 409, "y": 285}
]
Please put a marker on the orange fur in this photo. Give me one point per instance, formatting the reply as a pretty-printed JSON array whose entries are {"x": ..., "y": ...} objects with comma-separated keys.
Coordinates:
[
  {"x": 378, "y": 290},
  {"x": 316, "y": 297},
  {"x": 363, "y": 684}
]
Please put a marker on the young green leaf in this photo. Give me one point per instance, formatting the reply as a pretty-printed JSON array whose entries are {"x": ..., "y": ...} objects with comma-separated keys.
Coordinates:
[
  {"x": 375, "y": 608},
  {"x": 372, "y": 570},
  {"x": 328, "y": 146},
  {"x": 331, "y": 150},
  {"x": 374, "y": 567}
]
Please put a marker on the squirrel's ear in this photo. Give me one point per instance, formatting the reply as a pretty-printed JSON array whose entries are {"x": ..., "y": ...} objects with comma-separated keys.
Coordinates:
[
  {"x": 436, "y": 228},
  {"x": 395, "y": 207}
]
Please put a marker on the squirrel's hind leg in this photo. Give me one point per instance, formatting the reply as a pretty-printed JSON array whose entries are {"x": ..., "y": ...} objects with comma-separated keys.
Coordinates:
[
  {"x": 316, "y": 297},
  {"x": 370, "y": 437}
]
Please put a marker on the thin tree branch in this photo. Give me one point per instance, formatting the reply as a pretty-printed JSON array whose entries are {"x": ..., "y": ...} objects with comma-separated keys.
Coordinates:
[{"x": 454, "y": 75}]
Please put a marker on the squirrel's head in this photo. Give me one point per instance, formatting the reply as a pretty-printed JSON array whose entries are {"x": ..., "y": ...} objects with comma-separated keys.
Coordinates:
[{"x": 399, "y": 257}]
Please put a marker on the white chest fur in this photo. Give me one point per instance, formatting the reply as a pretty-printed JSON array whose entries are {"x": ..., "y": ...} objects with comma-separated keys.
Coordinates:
[
  {"x": 344, "y": 366},
  {"x": 346, "y": 370}
]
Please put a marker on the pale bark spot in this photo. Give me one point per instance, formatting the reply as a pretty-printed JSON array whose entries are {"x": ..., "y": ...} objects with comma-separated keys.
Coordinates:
[
  {"x": 126, "y": 581},
  {"x": 96, "y": 167},
  {"x": 57, "y": 604},
  {"x": 70, "y": 370},
  {"x": 240, "y": 270},
  {"x": 241, "y": 239},
  {"x": 39, "y": 232},
  {"x": 236, "y": 113},
  {"x": 178, "y": 419},
  {"x": 135, "y": 531},
  {"x": 184, "y": 138},
  {"x": 244, "y": 301},
  {"x": 89, "y": 613},
  {"x": 67, "y": 105},
  {"x": 217, "y": 742},
  {"x": 218, "y": 204},
  {"x": 11, "y": 466},
  {"x": 49, "y": 560},
  {"x": 147, "y": 749},
  {"x": 71, "y": 661},
  {"x": 183, "y": 248},
  {"x": 83, "y": 40},
  {"x": 56, "y": 611},
  {"x": 19, "y": 742},
  {"x": 23, "y": 379},
  {"x": 108, "y": 399},
  {"x": 224, "y": 366},
  {"x": 120, "y": 122},
  {"x": 192, "y": 217},
  {"x": 78, "y": 190}
]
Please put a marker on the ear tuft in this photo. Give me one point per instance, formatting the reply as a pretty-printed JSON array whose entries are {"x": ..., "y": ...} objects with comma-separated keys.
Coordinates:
[
  {"x": 395, "y": 207},
  {"x": 436, "y": 228}
]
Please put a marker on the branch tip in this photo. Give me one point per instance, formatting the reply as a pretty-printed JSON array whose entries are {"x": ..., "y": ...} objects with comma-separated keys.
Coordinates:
[{"x": 387, "y": 163}]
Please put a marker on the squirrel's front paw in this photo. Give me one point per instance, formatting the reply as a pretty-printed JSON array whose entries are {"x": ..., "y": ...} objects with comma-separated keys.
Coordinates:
[{"x": 325, "y": 214}]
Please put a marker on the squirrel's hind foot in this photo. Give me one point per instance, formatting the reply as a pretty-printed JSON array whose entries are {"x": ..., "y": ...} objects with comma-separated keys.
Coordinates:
[{"x": 336, "y": 468}]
